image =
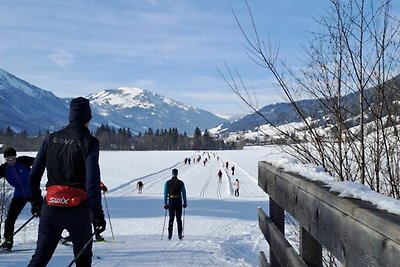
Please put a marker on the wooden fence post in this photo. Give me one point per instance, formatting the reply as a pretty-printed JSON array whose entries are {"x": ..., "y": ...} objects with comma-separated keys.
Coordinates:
[
  {"x": 277, "y": 215},
  {"x": 310, "y": 249},
  {"x": 355, "y": 232}
]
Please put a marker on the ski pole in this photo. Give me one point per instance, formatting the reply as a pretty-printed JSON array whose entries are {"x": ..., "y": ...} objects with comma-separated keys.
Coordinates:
[
  {"x": 108, "y": 214},
  {"x": 81, "y": 251},
  {"x": 19, "y": 229},
  {"x": 165, "y": 217},
  {"x": 3, "y": 202}
]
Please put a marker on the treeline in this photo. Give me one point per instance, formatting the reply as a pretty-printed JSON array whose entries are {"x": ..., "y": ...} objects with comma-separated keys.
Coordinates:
[
  {"x": 171, "y": 139},
  {"x": 123, "y": 139},
  {"x": 112, "y": 139},
  {"x": 21, "y": 141}
]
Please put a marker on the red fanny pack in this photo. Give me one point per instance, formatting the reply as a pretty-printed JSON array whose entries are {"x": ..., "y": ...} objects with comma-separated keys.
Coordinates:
[{"x": 65, "y": 196}]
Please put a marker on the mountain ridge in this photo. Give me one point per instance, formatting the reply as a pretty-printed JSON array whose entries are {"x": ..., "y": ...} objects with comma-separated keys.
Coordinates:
[{"x": 24, "y": 106}]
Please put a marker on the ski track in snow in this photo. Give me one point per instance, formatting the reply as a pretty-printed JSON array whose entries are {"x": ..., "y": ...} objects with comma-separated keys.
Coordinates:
[{"x": 219, "y": 228}]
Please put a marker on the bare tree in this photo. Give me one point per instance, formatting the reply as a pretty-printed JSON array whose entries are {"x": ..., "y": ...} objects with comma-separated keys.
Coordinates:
[{"x": 349, "y": 73}]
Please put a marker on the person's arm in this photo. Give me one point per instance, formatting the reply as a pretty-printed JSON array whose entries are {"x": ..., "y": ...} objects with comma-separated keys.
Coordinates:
[
  {"x": 165, "y": 193},
  {"x": 93, "y": 178},
  {"x": 35, "y": 176},
  {"x": 36, "y": 173},
  {"x": 92, "y": 186},
  {"x": 184, "y": 194}
]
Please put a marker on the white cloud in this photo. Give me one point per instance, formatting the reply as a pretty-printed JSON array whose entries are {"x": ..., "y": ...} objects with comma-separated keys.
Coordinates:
[{"x": 61, "y": 58}]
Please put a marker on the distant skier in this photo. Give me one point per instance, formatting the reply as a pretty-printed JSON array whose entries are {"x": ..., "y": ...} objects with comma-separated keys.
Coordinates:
[
  {"x": 103, "y": 187},
  {"x": 174, "y": 191},
  {"x": 16, "y": 171},
  {"x": 237, "y": 186},
  {"x": 140, "y": 186},
  {"x": 219, "y": 176},
  {"x": 227, "y": 165},
  {"x": 233, "y": 170}
]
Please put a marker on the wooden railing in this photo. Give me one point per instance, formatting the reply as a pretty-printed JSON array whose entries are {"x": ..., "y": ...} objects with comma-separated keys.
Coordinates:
[{"x": 354, "y": 231}]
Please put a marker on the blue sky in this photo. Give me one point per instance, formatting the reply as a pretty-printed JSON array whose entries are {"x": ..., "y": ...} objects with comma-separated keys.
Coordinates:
[{"x": 170, "y": 47}]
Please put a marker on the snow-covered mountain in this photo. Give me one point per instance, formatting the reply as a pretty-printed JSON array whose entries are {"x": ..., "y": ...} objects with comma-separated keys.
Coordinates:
[
  {"x": 140, "y": 109},
  {"x": 24, "y": 106},
  {"x": 317, "y": 111}
]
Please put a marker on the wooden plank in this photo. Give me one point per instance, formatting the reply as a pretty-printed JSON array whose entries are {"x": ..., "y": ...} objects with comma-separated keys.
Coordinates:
[
  {"x": 354, "y": 231},
  {"x": 277, "y": 216},
  {"x": 310, "y": 249},
  {"x": 282, "y": 250},
  {"x": 353, "y": 207}
]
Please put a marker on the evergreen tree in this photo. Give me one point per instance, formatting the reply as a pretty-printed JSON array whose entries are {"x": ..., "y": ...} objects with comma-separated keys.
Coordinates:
[{"x": 197, "y": 139}]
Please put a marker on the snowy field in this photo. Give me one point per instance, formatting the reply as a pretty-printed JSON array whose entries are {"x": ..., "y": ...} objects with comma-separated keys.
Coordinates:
[{"x": 219, "y": 228}]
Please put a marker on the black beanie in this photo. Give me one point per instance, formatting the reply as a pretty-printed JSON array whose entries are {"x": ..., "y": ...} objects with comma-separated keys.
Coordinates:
[
  {"x": 9, "y": 151},
  {"x": 174, "y": 172},
  {"x": 79, "y": 110}
]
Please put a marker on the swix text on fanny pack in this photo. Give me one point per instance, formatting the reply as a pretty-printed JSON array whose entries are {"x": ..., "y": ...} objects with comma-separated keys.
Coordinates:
[{"x": 65, "y": 196}]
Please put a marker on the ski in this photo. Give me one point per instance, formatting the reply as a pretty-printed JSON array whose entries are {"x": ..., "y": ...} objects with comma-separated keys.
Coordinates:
[
  {"x": 101, "y": 241},
  {"x": 16, "y": 250},
  {"x": 104, "y": 241},
  {"x": 68, "y": 243}
]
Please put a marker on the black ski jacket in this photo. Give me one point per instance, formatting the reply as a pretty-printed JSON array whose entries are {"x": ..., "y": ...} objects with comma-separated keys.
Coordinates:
[
  {"x": 174, "y": 188},
  {"x": 71, "y": 158}
]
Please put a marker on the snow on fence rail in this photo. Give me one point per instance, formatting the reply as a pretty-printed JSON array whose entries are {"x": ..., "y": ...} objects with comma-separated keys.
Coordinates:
[{"x": 354, "y": 231}]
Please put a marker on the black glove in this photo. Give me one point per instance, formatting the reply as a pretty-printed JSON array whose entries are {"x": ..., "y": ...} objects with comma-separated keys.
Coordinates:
[
  {"x": 104, "y": 188},
  {"x": 166, "y": 206},
  {"x": 184, "y": 205},
  {"x": 99, "y": 224},
  {"x": 36, "y": 207}
]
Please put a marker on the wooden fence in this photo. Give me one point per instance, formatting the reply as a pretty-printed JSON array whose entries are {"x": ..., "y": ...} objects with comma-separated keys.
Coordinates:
[{"x": 354, "y": 231}]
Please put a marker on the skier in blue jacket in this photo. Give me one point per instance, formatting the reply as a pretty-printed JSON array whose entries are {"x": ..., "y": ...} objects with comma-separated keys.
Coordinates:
[
  {"x": 174, "y": 191},
  {"x": 16, "y": 171}
]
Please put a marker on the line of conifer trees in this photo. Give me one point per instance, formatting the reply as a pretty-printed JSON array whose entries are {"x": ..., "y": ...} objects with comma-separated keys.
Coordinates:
[
  {"x": 123, "y": 139},
  {"x": 171, "y": 139}
]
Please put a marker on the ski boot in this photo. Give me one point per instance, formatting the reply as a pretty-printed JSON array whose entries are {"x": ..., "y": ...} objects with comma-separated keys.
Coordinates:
[
  {"x": 99, "y": 238},
  {"x": 6, "y": 247}
]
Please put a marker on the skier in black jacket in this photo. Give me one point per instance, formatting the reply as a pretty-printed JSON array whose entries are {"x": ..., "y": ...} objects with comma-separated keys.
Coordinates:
[
  {"x": 174, "y": 191},
  {"x": 73, "y": 199},
  {"x": 16, "y": 171}
]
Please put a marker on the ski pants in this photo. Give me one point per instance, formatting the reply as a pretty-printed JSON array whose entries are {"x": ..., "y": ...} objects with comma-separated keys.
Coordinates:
[
  {"x": 236, "y": 192},
  {"x": 16, "y": 206},
  {"x": 53, "y": 220},
  {"x": 175, "y": 209}
]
